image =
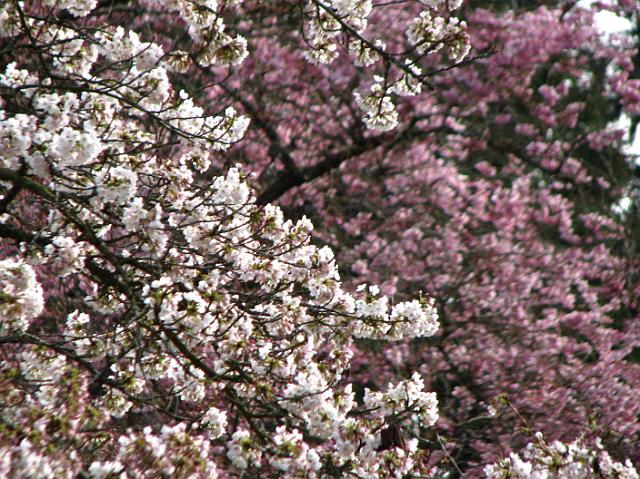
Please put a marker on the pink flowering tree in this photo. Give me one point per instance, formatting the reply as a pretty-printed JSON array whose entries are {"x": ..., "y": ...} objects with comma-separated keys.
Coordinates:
[
  {"x": 159, "y": 318},
  {"x": 154, "y": 320}
]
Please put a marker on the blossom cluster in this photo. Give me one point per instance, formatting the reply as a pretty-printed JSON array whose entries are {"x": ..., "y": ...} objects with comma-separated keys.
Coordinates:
[
  {"x": 327, "y": 22},
  {"x": 21, "y": 298},
  {"x": 212, "y": 44},
  {"x": 557, "y": 460},
  {"x": 406, "y": 394},
  {"x": 431, "y": 34}
]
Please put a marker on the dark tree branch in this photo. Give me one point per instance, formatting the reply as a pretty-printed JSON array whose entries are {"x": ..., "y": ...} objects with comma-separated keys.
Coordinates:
[{"x": 286, "y": 181}]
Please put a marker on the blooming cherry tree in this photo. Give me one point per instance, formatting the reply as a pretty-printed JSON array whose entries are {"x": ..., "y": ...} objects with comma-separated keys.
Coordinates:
[
  {"x": 159, "y": 318},
  {"x": 156, "y": 321}
]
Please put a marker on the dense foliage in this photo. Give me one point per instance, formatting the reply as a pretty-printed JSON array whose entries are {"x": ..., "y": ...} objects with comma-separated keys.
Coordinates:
[{"x": 160, "y": 316}]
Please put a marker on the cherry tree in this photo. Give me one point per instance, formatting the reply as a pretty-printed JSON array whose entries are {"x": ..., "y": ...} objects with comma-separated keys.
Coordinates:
[
  {"x": 160, "y": 319},
  {"x": 154, "y": 319}
]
